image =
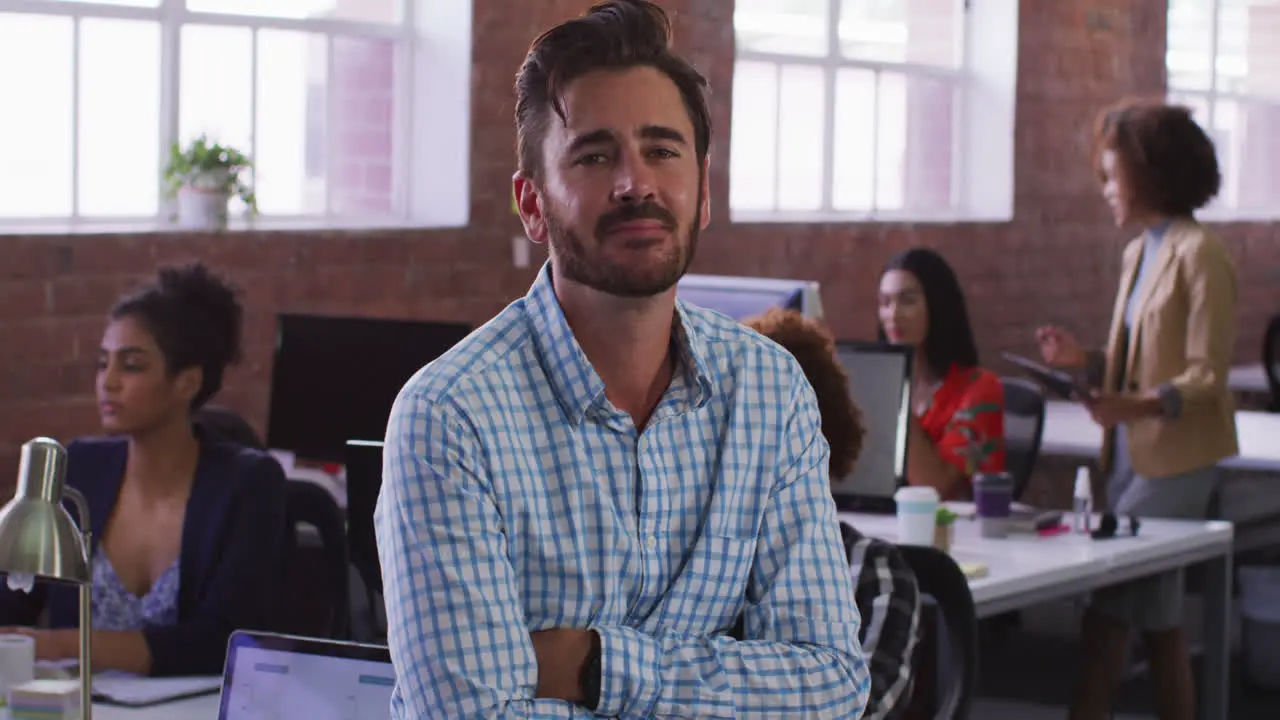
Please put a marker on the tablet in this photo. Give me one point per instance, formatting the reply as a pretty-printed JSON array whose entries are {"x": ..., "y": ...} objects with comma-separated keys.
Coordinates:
[{"x": 1060, "y": 383}]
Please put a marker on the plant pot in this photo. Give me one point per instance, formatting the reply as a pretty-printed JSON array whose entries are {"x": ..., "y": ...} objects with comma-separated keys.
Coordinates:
[
  {"x": 943, "y": 535},
  {"x": 200, "y": 209}
]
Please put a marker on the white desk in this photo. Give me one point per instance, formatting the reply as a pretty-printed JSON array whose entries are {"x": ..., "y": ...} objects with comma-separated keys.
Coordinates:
[
  {"x": 1025, "y": 570},
  {"x": 204, "y": 707},
  {"x": 1248, "y": 378},
  {"x": 1070, "y": 432}
]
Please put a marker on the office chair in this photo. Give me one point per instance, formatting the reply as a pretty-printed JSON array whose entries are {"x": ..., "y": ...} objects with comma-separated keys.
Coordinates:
[
  {"x": 1271, "y": 361},
  {"x": 228, "y": 425},
  {"x": 1024, "y": 408},
  {"x": 942, "y": 579},
  {"x": 316, "y": 600}
]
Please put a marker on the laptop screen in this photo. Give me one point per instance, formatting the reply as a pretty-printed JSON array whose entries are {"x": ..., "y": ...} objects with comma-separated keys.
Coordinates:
[
  {"x": 281, "y": 676},
  {"x": 880, "y": 383}
]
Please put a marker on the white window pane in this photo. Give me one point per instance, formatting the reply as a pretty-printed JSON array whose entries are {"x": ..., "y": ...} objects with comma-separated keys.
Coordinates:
[
  {"x": 753, "y": 143},
  {"x": 803, "y": 105},
  {"x": 915, "y": 143},
  {"x": 1228, "y": 136},
  {"x": 289, "y": 172},
  {"x": 35, "y": 81},
  {"x": 789, "y": 27},
  {"x": 362, "y": 111},
  {"x": 119, "y": 121},
  {"x": 124, "y": 3},
  {"x": 855, "y": 142},
  {"x": 215, "y": 85},
  {"x": 926, "y": 32},
  {"x": 1198, "y": 104},
  {"x": 1257, "y": 175},
  {"x": 374, "y": 11},
  {"x": 1189, "y": 49},
  {"x": 1248, "y": 55}
]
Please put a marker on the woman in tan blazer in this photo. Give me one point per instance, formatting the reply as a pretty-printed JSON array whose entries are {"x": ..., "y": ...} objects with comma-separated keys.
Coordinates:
[{"x": 1161, "y": 382}]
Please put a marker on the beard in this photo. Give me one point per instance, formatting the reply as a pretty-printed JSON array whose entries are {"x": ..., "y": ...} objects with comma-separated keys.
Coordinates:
[{"x": 590, "y": 267}]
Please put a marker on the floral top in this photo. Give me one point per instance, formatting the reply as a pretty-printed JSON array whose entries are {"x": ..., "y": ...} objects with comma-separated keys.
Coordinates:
[
  {"x": 116, "y": 608},
  {"x": 965, "y": 421}
]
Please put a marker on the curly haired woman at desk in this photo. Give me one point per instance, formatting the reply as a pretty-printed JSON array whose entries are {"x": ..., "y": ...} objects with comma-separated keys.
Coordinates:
[
  {"x": 886, "y": 591},
  {"x": 1163, "y": 397},
  {"x": 188, "y": 531},
  {"x": 958, "y": 425}
]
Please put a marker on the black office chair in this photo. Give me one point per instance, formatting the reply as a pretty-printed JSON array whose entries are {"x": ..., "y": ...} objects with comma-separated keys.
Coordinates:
[
  {"x": 1024, "y": 407},
  {"x": 228, "y": 425},
  {"x": 317, "y": 600},
  {"x": 942, "y": 579},
  {"x": 1271, "y": 361}
]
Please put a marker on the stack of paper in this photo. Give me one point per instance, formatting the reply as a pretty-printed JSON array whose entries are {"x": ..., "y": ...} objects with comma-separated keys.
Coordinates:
[{"x": 45, "y": 700}]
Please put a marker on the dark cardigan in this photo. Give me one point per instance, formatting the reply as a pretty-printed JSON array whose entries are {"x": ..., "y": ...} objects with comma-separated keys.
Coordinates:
[{"x": 231, "y": 555}]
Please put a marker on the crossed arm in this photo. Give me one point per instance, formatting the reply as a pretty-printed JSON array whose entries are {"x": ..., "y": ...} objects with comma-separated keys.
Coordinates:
[{"x": 457, "y": 630}]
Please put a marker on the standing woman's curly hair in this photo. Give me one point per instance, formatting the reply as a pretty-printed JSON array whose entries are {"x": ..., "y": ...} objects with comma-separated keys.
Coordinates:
[
  {"x": 1166, "y": 159},
  {"x": 195, "y": 319},
  {"x": 815, "y": 349}
]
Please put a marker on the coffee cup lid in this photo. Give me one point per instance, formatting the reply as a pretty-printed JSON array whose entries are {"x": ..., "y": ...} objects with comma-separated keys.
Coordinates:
[{"x": 916, "y": 493}]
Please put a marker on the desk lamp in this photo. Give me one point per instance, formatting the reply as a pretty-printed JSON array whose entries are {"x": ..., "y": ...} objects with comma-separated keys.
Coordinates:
[{"x": 39, "y": 538}]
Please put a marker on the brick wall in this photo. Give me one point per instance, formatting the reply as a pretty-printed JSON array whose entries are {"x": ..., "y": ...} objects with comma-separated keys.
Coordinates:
[{"x": 1057, "y": 261}]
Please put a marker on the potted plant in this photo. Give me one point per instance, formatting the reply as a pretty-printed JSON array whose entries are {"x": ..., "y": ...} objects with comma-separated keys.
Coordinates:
[
  {"x": 203, "y": 177},
  {"x": 944, "y": 529}
]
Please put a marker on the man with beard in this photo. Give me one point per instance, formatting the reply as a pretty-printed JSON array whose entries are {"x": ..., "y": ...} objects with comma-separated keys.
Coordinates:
[{"x": 582, "y": 498}]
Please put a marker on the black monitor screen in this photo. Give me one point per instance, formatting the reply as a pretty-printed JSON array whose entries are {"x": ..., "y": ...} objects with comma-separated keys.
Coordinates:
[
  {"x": 335, "y": 378},
  {"x": 364, "y": 482}
]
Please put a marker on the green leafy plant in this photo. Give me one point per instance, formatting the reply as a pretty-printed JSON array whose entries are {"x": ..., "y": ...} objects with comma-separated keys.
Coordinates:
[
  {"x": 944, "y": 517},
  {"x": 211, "y": 167}
]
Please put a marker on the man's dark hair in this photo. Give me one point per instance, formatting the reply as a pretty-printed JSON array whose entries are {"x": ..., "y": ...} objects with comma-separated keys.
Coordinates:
[
  {"x": 1167, "y": 162},
  {"x": 614, "y": 35},
  {"x": 949, "y": 339}
]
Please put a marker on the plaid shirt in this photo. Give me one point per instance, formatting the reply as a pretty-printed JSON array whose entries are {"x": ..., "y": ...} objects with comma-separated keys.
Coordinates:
[
  {"x": 517, "y": 498},
  {"x": 889, "y": 601}
]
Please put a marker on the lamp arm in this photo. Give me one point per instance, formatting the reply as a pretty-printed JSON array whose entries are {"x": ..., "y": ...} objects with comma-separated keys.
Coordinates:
[
  {"x": 86, "y": 605},
  {"x": 82, "y": 508}
]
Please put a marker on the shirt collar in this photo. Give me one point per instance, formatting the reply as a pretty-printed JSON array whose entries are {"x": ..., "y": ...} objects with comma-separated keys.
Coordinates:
[{"x": 576, "y": 385}]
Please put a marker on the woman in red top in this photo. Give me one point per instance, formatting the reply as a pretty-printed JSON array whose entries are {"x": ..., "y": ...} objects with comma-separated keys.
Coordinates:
[{"x": 958, "y": 425}]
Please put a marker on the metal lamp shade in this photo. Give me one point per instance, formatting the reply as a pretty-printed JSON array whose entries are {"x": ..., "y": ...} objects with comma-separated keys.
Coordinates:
[{"x": 37, "y": 535}]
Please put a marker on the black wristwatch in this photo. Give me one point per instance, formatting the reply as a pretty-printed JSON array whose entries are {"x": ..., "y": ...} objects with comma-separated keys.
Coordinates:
[{"x": 589, "y": 680}]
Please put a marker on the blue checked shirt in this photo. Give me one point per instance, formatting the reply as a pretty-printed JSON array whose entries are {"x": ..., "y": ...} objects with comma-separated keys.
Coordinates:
[{"x": 517, "y": 498}]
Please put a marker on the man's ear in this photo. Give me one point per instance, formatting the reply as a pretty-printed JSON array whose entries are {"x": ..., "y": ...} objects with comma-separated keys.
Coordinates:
[{"x": 528, "y": 205}]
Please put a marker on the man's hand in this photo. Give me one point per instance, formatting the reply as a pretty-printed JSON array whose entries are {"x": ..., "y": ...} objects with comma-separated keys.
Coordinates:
[{"x": 561, "y": 653}]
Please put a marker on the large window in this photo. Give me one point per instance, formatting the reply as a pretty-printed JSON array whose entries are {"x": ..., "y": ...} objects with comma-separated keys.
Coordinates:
[
  {"x": 1223, "y": 61},
  {"x": 321, "y": 94},
  {"x": 850, "y": 109}
]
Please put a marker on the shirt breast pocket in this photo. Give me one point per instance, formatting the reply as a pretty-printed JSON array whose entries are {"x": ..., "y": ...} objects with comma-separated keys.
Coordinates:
[{"x": 711, "y": 590}]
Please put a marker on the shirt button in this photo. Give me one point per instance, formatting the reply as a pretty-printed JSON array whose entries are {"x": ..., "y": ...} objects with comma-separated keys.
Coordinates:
[{"x": 651, "y": 542}]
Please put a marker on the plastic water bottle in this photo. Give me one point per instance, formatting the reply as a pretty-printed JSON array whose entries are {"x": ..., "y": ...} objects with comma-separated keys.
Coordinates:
[{"x": 1082, "y": 518}]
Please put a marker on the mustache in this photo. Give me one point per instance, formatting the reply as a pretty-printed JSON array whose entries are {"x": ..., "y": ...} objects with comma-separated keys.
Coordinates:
[{"x": 630, "y": 213}]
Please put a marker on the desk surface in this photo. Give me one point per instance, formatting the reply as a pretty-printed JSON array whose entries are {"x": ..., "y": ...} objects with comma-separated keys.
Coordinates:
[
  {"x": 204, "y": 707},
  {"x": 1023, "y": 569},
  {"x": 1248, "y": 378},
  {"x": 1070, "y": 432}
]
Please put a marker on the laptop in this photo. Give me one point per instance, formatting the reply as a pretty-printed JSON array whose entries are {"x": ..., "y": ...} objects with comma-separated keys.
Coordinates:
[
  {"x": 268, "y": 675},
  {"x": 880, "y": 383}
]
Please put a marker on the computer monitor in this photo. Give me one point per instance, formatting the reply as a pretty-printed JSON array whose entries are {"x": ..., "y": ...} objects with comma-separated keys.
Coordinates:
[
  {"x": 364, "y": 482},
  {"x": 744, "y": 297},
  {"x": 335, "y": 378},
  {"x": 880, "y": 383},
  {"x": 268, "y": 675}
]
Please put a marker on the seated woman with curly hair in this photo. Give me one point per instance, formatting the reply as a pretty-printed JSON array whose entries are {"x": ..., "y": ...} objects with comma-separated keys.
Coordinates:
[{"x": 886, "y": 592}]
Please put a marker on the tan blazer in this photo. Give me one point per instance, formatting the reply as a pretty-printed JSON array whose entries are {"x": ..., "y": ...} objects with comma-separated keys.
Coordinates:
[{"x": 1184, "y": 331}]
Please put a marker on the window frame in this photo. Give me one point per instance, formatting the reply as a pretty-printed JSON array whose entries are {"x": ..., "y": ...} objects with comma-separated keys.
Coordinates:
[
  {"x": 171, "y": 16},
  {"x": 831, "y": 64},
  {"x": 1218, "y": 211}
]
